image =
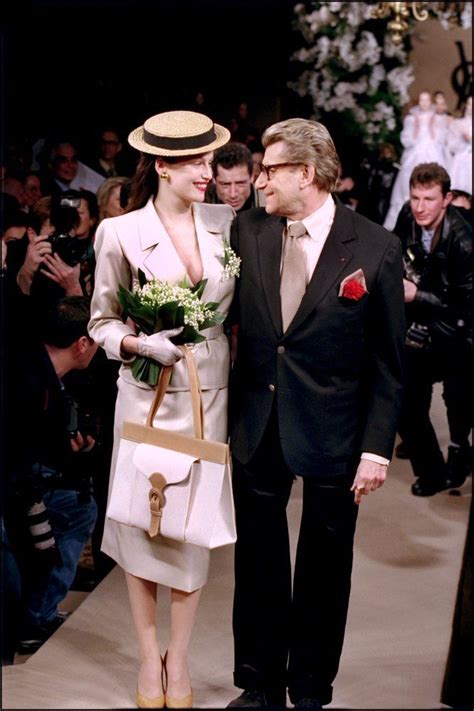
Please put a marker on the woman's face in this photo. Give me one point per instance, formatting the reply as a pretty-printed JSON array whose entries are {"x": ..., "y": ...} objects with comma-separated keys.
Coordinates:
[
  {"x": 87, "y": 222},
  {"x": 189, "y": 178},
  {"x": 424, "y": 101},
  {"x": 32, "y": 187},
  {"x": 441, "y": 105},
  {"x": 113, "y": 207}
]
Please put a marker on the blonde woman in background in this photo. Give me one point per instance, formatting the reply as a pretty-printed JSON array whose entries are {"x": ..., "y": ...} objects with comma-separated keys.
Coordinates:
[{"x": 108, "y": 197}]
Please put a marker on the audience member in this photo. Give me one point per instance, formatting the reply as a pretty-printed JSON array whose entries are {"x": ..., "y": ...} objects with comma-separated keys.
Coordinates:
[
  {"x": 460, "y": 150},
  {"x": 378, "y": 179},
  {"x": 50, "y": 513},
  {"x": 65, "y": 172},
  {"x": 437, "y": 246},
  {"x": 461, "y": 199},
  {"x": 33, "y": 188},
  {"x": 108, "y": 161},
  {"x": 108, "y": 197},
  {"x": 423, "y": 138},
  {"x": 232, "y": 169}
]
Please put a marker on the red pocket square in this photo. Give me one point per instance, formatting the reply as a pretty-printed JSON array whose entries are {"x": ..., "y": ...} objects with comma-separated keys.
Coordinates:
[{"x": 353, "y": 286}]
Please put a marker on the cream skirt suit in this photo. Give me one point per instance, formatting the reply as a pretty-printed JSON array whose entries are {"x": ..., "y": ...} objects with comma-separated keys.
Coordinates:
[{"x": 123, "y": 245}]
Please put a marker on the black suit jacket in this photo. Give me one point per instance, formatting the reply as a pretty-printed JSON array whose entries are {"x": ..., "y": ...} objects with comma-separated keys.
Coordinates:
[{"x": 336, "y": 372}]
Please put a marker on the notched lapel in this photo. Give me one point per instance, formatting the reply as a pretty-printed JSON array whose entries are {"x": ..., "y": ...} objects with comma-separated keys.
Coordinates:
[
  {"x": 335, "y": 257},
  {"x": 269, "y": 245}
]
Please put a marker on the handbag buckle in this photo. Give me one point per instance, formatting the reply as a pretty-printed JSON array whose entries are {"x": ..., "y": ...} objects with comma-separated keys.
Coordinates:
[{"x": 156, "y": 498}]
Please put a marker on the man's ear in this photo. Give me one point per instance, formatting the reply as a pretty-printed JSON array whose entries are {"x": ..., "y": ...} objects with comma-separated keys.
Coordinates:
[
  {"x": 81, "y": 345},
  {"x": 447, "y": 198},
  {"x": 308, "y": 174}
]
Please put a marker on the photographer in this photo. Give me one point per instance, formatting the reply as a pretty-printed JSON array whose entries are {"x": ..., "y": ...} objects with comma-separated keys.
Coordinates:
[
  {"x": 50, "y": 512},
  {"x": 437, "y": 248}
]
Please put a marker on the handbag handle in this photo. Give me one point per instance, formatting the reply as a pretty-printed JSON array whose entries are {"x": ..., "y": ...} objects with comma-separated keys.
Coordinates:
[{"x": 195, "y": 386}]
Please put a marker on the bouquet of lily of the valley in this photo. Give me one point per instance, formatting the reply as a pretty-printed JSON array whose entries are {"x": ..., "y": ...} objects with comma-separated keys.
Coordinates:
[{"x": 156, "y": 306}]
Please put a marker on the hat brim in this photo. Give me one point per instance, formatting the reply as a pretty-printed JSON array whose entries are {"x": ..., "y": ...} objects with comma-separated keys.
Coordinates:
[{"x": 136, "y": 140}]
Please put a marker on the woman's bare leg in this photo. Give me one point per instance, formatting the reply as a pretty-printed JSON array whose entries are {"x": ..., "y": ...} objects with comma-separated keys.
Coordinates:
[
  {"x": 142, "y": 595},
  {"x": 183, "y": 613}
]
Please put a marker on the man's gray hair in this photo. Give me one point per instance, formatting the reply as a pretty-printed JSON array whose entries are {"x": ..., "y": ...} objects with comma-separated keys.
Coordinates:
[{"x": 307, "y": 142}]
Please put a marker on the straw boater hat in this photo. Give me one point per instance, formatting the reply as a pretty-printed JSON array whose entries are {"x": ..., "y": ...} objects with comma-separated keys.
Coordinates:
[{"x": 178, "y": 133}]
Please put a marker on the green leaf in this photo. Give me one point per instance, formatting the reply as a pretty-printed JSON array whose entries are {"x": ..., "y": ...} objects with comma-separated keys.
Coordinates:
[
  {"x": 154, "y": 374},
  {"x": 140, "y": 368},
  {"x": 142, "y": 280},
  {"x": 199, "y": 288},
  {"x": 167, "y": 313}
]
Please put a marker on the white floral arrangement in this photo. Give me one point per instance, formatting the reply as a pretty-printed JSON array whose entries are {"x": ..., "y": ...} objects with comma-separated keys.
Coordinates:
[
  {"x": 231, "y": 263},
  {"x": 355, "y": 68},
  {"x": 156, "y": 293}
]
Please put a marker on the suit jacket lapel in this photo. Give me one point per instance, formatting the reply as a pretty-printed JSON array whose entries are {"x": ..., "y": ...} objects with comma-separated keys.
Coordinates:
[
  {"x": 269, "y": 245},
  {"x": 334, "y": 258}
]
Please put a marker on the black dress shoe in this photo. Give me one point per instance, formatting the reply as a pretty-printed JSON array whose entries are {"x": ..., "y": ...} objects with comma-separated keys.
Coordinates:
[
  {"x": 310, "y": 704},
  {"x": 33, "y": 637},
  {"x": 255, "y": 699},
  {"x": 457, "y": 466},
  {"x": 428, "y": 487}
]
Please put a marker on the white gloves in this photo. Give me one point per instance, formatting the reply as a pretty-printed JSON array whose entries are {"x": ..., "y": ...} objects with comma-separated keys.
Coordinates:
[{"x": 159, "y": 347}]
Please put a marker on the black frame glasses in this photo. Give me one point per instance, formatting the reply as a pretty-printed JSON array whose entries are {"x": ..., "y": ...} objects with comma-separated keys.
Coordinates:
[{"x": 270, "y": 170}]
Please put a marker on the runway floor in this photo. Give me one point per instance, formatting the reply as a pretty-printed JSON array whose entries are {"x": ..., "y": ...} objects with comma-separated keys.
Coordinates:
[{"x": 406, "y": 570}]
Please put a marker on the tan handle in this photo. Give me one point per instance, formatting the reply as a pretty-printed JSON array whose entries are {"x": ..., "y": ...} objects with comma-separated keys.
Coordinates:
[{"x": 195, "y": 386}]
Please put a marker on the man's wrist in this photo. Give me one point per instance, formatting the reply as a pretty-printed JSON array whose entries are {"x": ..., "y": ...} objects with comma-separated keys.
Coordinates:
[{"x": 375, "y": 458}]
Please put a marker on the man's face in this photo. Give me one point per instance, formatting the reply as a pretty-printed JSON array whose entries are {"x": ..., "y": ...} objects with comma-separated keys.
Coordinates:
[
  {"x": 428, "y": 204},
  {"x": 64, "y": 163},
  {"x": 110, "y": 145},
  {"x": 282, "y": 186},
  {"x": 233, "y": 185}
]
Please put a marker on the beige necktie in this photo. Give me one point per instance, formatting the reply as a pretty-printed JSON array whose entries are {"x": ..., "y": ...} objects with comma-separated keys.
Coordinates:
[{"x": 293, "y": 274}]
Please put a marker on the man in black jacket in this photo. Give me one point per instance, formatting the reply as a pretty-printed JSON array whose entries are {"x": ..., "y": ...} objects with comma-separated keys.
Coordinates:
[
  {"x": 50, "y": 513},
  {"x": 437, "y": 248},
  {"x": 314, "y": 393}
]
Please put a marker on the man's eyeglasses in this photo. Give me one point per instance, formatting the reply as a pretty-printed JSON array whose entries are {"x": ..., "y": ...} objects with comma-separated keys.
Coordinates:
[
  {"x": 270, "y": 170},
  {"x": 66, "y": 159}
]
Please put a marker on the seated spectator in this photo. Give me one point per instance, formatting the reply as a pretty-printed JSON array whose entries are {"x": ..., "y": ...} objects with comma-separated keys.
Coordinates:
[
  {"x": 14, "y": 186},
  {"x": 33, "y": 188},
  {"x": 50, "y": 512},
  {"x": 64, "y": 171},
  {"x": 108, "y": 160},
  {"x": 232, "y": 169},
  {"x": 108, "y": 197},
  {"x": 257, "y": 151}
]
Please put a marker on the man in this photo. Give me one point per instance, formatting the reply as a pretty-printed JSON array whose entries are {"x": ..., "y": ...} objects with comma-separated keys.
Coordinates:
[
  {"x": 108, "y": 161},
  {"x": 232, "y": 168},
  {"x": 50, "y": 513},
  {"x": 315, "y": 391},
  {"x": 437, "y": 246},
  {"x": 67, "y": 172}
]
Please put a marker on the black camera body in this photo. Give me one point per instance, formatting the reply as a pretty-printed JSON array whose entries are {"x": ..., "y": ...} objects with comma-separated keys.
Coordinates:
[
  {"x": 79, "y": 421},
  {"x": 416, "y": 264},
  {"x": 65, "y": 219}
]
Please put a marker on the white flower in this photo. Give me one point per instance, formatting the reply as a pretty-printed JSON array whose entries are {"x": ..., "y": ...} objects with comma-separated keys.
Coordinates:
[
  {"x": 377, "y": 76},
  {"x": 399, "y": 80},
  {"x": 231, "y": 263},
  {"x": 466, "y": 16}
]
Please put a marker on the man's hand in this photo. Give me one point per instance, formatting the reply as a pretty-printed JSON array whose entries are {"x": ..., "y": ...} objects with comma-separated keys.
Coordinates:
[
  {"x": 38, "y": 249},
  {"x": 410, "y": 290},
  {"x": 66, "y": 276},
  {"x": 369, "y": 477},
  {"x": 79, "y": 444}
]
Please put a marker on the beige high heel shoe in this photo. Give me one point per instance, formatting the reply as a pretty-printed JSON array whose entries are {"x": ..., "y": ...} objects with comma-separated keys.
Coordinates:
[
  {"x": 170, "y": 701},
  {"x": 145, "y": 702}
]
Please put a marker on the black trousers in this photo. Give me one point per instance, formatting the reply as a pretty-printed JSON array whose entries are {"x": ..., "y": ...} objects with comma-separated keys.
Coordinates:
[
  {"x": 423, "y": 368},
  {"x": 283, "y": 637}
]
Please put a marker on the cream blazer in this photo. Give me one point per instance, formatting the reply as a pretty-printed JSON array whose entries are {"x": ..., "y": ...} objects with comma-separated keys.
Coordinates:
[{"x": 139, "y": 240}]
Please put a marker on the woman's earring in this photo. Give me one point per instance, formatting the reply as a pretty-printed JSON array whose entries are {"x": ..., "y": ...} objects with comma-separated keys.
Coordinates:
[{"x": 164, "y": 175}]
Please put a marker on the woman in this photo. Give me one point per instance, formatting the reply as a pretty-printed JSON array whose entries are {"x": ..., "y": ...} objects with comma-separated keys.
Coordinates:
[
  {"x": 423, "y": 137},
  {"x": 168, "y": 234},
  {"x": 108, "y": 197},
  {"x": 460, "y": 147}
]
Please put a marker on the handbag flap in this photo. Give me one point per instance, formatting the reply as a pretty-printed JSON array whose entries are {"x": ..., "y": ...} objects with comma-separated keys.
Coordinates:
[{"x": 174, "y": 466}]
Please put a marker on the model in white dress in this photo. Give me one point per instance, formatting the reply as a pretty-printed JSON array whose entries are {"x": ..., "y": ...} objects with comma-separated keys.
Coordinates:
[
  {"x": 423, "y": 138},
  {"x": 168, "y": 234},
  {"x": 460, "y": 149}
]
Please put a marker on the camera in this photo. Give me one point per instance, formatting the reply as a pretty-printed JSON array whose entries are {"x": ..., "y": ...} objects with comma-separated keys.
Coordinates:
[
  {"x": 79, "y": 421},
  {"x": 418, "y": 336},
  {"x": 65, "y": 219},
  {"x": 415, "y": 263}
]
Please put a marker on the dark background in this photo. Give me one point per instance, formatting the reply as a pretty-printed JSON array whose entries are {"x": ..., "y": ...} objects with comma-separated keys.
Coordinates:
[{"x": 72, "y": 66}]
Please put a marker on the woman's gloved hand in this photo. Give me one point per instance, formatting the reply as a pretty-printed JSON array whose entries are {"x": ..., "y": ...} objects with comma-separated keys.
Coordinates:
[{"x": 159, "y": 347}]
